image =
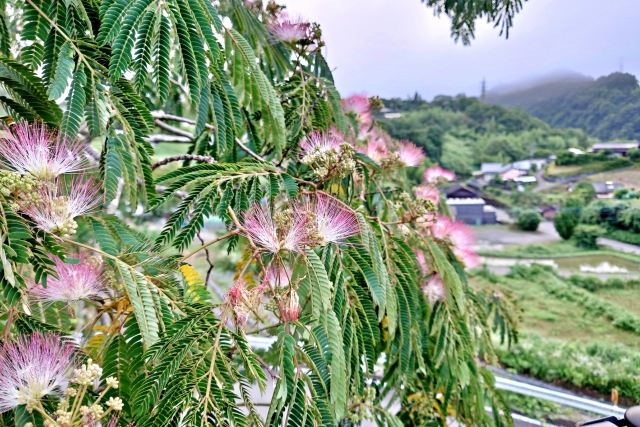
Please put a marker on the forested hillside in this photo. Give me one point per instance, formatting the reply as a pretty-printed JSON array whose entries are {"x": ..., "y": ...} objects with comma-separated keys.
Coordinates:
[
  {"x": 607, "y": 108},
  {"x": 462, "y": 132}
]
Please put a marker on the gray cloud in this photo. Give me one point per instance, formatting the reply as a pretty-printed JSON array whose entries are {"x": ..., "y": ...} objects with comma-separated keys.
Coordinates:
[{"x": 395, "y": 47}]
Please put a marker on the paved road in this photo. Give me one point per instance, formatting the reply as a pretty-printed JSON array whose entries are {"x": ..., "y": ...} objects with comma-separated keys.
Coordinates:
[
  {"x": 542, "y": 183},
  {"x": 619, "y": 246},
  {"x": 491, "y": 238}
]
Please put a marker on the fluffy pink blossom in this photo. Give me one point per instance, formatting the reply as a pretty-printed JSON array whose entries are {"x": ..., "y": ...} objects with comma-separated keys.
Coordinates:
[
  {"x": 291, "y": 307},
  {"x": 334, "y": 222},
  {"x": 75, "y": 282},
  {"x": 260, "y": 226},
  {"x": 288, "y": 29},
  {"x": 278, "y": 276},
  {"x": 467, "y": 256},
  {"x": 376, "y": 150},
  {"x": 457, "y": 233},
  {"x": 460, "y": 236},
  {"x": 32, "y": 367},
  {"x": 428, "y": 192},
  {"x": 434, "y": 289},
  {"x": 436, "y": 174},
  {"x": 410, "y": 154},
  {"x": 57, "y": 207},
  {"x": 43, "y": 153},
  {"x": 321, "y": 141},
  {"x": 358, "y": 105}
]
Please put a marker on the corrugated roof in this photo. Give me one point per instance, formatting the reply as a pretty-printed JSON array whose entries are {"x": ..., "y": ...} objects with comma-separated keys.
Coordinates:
[
  {"x": 466, "y": 201},
  {"x": 615, "y": 145},
  {"x": 490, "y": 167}
]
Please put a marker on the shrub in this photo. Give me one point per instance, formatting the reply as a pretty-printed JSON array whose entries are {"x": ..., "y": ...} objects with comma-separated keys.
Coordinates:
[
  {"x": 615, "y": 283},
  {"x": 620, "y": 193},
  {"x": 585, "y": 190},
  {"x": 528, "y": 220},
  {"x": 589, "y": 283},
  {"x": 630, "y": 217},
  {"x": 634, "y": 155},
  {"x": 564, "y": 222},
  {"x": 586, "y": 235}
]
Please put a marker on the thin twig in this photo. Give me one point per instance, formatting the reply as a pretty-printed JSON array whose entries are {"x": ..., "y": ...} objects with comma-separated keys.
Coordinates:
[
  {"x": 161, "y": 115},
  {"x": 249, "y": 151},
  {"x": 204, "y": 159},
  {"x": 267, "y": 367},
  {"x": 195, "y": 251},
  {"x": 174, "y": 130},
  {"x": 159, "y": 137},
  {"x": 206, "y": 251}
]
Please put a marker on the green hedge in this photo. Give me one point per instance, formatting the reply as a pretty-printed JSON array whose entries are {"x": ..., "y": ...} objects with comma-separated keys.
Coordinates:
[
  {"x": 620, "y": 317},
  {"x": 595, "y": 365}
]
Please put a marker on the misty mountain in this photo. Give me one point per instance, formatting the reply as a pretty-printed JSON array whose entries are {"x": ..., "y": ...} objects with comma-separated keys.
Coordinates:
[{"x": 607, "y": 108}]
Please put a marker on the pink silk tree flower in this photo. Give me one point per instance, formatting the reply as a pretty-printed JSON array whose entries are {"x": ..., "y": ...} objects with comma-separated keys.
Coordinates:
[
  {"x": 291, "y": 307},
  {"x": 40, "y": 152},
  {"x": 358, "y": 105},
  {"x": 467, "y": 256},
  {"x": 75, "y": 282},
  {"x": 428, "y": 192},
  {"x": 376, "y": 150},
  {"x": 260, "y": 227},
  {"x": 32, "y": 367},
  {"x": 335, "y": 223},
  {"x": 410, "y": 154},
  {"x": 460, "y": 236},
  {"x": 437, "y": 175},
  {"x": 288, "y": 29},
  {"x": 320, "y": 142},
  {"x": 434, "y": 289},
  {"x": 287, "y": 230},
  {"x": 278, "y": 276},
  {"x": 55, "y": 213}
]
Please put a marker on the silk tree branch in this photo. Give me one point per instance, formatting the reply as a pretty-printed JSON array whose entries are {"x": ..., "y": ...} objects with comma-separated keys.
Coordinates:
[
  {"x": 204, "y": 159},
  {"x": 174, "y": 130}
]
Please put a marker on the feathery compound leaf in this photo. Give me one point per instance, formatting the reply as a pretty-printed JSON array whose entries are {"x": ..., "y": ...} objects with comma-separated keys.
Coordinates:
[
  {"x": 27, "y": 92},
  {"x": 64, "y": 69},
  {"x": 163, "y": 61},
  {"x": 123, "y": 44},
  {"x": 139, "y": 292},
  {"x": 75, "y": 105}
]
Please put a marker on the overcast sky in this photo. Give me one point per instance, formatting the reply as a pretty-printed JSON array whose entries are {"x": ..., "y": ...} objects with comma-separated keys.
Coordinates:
[{"x": 397, "y": 47}]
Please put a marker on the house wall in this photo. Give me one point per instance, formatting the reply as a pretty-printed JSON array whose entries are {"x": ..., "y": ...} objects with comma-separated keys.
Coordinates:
[{"x": 470, "y": 214}]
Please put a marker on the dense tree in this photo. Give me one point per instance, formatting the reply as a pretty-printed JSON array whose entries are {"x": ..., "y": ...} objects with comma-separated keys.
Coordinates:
[
  {"x": 461, "y": 132},
  {"x": 347, "y": 270}
]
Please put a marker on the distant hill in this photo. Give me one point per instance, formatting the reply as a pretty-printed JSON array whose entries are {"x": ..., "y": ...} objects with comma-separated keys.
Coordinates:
[
  {"x": 462, "y": 132},
  {"x": 606, "y": 108}
]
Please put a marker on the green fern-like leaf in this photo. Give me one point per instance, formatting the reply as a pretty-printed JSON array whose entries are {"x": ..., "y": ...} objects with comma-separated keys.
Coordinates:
[
  {"x": 75, "y": 105},
  {"x": 64, "y": 70}
]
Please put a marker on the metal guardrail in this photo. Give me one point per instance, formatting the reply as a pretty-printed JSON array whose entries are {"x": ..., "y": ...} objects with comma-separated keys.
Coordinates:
[
  {"x": 591, "y": 405},
  {"x": 565, "y": 399}
]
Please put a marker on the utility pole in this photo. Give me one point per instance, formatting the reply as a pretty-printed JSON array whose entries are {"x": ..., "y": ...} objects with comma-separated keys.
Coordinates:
[{"x": 483, "y": 92}]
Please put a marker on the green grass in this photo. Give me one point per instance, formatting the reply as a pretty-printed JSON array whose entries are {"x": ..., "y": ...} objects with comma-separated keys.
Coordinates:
[
  {"x": 551, "y": 317},
  {"x": 559, "y": 249},
  {"x": 596, "y": 167}
]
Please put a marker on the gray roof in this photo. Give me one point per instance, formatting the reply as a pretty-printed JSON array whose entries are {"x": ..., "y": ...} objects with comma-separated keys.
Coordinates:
[
  {"x": 606, "y": 187},
  {"x": 491, "y": 167},
  {"x": 615, "y": 145}
]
